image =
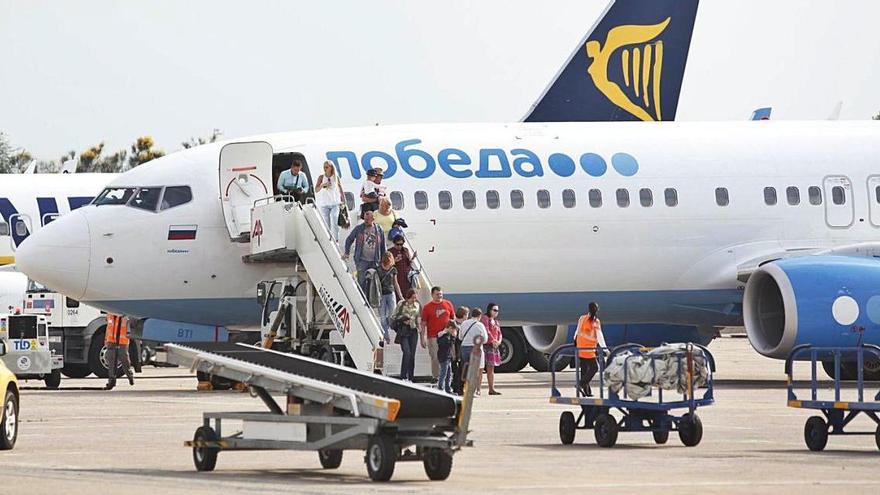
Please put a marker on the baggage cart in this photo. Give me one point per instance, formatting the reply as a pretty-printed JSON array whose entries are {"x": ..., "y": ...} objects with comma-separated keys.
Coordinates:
[{"x": 645, "y": 415}]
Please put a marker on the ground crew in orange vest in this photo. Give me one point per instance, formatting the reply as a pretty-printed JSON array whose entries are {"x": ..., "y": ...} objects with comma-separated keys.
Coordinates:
[
  {"x": 116, "y": 340},
  {"x": 589, "y": 334}
]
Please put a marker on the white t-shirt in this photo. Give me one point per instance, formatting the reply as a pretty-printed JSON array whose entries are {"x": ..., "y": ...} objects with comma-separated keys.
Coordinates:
[
  {"x": 469, "y": 331},
  {"x": 370, "y": 187},
  {"x": 328, "y": 196}
]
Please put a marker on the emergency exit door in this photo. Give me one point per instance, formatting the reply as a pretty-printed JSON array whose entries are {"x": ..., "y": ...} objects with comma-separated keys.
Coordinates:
[
  {"x": 838, "y": 201},
  {"x": 245, "y": 176}
]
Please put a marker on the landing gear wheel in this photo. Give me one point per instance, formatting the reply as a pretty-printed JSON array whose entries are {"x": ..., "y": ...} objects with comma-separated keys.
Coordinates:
[
  {"x": 53, "y": 380},
  {"x": 661, "y": 437},
  {"x": 438, "y": 463},
  {"x": 98, "y": 355},
  {"x": 205, "y": 458},
  {"x": 76, "y": 370},
  {"x": 9, "y": 421},
  {"x": 816, "y": 433},
  {"x": 513, "y": 350},
  {"x": 220, "y": 383},
  {"x": 690, "y": 430},
  {"x": 567, "y": 428},
  {"x": 605, "y": 430},
  {"x": 541, "y": 362},
  {"x": 330, "y": 458},
  {"x": 381, "y": 457}
]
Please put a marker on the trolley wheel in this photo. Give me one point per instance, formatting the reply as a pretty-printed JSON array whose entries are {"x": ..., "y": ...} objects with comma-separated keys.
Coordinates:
[
  {"x": 438, "y": 463},
  {"x": 330, "y": 458},
  {"x": 381, "y": 457},
  {"x": 661, "y": 437},
  {"x": 567, "y": 427},
  {"x": 205, "y": 458},
  {"x": 53, "y": 379},
  {"x": 605, "y": 430},
  {"x": 877, "y": 436},
  {"x": 816, "y": 433},
  {"x": 690, "y": 430}
]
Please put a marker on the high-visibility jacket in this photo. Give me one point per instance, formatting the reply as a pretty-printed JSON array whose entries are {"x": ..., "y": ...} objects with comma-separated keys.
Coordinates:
[
  {"x": 588, "y": 336},
  {"x": 117, "y": 330}
]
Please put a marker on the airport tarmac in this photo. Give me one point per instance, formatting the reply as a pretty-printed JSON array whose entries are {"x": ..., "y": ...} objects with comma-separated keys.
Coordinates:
[{"x": 130, "y": 440}]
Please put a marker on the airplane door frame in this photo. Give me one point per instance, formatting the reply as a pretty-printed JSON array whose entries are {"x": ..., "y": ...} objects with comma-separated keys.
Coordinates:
[
  {"x": 245, "y": 176},
  {"x": 14, "y": 220},
  {"x": 838, "y": 216},
  {"x": 873, "y": 183}
]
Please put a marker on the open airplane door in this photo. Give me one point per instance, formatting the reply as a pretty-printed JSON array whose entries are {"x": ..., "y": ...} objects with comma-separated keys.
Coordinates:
[{"x": 245, "y": 176}]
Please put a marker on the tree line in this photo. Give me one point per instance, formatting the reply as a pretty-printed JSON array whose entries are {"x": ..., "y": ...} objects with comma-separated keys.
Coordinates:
[{"x": 93, "y": 159}]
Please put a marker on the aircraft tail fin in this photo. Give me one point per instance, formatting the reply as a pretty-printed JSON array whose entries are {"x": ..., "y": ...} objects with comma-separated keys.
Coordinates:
[{"x": 630, "y": 66}]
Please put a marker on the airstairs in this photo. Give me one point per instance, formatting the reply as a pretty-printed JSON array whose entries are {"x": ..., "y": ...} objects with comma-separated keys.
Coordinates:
[{"x": 319, "y": 309}]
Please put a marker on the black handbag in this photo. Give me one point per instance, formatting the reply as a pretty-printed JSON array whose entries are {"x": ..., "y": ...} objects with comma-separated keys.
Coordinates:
[{"x": 343, "y": 220}]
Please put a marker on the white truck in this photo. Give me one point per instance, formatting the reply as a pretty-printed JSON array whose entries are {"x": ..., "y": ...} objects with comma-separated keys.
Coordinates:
[
  {"x": 28, "y": 354},
  {"x": 76, "y": 331}
]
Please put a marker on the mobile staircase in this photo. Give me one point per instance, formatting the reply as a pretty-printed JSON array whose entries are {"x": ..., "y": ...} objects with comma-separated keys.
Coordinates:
[{"x": 318, "y": 309}]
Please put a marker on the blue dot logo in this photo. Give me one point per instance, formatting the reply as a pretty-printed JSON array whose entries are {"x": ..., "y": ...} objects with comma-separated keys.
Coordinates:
[
  {"x": 561, "y": 164},
  {"x": 625, "y": 164},
  {"x": 593, "y": 164}
]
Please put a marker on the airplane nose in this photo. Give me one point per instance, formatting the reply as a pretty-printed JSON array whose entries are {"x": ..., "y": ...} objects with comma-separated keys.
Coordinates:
[{"x": 57, "y": 255}]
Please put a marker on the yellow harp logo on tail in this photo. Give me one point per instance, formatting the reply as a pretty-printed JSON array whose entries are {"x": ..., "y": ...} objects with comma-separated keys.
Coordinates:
[{"x": 641, "y": 61}]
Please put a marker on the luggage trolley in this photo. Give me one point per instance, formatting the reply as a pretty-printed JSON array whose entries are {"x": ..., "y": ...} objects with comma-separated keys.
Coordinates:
[
  {"x": 653, "y": 416},
  {"x": 330, "y": 408},
  {"x": 837, "y": 414}
]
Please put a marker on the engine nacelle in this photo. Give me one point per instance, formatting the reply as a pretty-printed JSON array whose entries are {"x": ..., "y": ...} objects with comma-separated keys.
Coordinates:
[
  {"x": 547, "y": 338},
  {"x": 827, "y": 301}
]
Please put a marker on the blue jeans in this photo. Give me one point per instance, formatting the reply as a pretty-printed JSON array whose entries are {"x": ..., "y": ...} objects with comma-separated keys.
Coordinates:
[
  {"x": 408, "y": 361},
  {"x": 330, "y": 214},
  {"x": 362, "y": 266},
  {"x": 445, "y": 381},
  {"x": 386, "y": 308}
]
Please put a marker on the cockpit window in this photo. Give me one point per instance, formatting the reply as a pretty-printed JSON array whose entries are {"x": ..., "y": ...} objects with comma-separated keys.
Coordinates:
[
  {"x": 176, "y": 196},
  {"x": 4, "y": 228},
  {"x": 147, "y": 198},
  {"x": 114, "y": 196}
]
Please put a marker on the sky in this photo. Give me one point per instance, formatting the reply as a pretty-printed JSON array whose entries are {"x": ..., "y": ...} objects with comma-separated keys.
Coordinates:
[{"x": 77, "y": 72}]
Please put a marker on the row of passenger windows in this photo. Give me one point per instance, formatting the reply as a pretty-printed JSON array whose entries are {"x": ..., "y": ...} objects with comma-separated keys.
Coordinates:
[
  {"x": 518, "y": 199},
  {"x": 594, "y": 197}
]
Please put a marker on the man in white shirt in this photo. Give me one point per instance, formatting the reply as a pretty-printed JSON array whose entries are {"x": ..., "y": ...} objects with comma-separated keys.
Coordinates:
[{"x": 372, "y": 191}]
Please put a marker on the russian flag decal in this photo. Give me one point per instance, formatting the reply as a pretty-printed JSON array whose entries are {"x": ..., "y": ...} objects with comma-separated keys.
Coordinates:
[{"x": 182, "y": 232}]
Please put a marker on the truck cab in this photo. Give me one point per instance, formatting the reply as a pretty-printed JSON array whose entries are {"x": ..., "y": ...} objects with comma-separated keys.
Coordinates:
[
  {"x": 29, "y": 355},
  {"x": 8, "y": 404},
  {"x": 76, "y": 330}
]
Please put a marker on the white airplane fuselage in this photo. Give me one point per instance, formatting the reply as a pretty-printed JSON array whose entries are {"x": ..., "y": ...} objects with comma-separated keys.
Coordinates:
[
  {"x": 29, "y": 201},
  {"x": 650, "y": 261}
]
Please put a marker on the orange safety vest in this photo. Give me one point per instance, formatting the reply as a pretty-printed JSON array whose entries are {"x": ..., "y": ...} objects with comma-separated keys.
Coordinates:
[
  {"x": 587, "y": 337},
  {"x": 117, "y": 330}
]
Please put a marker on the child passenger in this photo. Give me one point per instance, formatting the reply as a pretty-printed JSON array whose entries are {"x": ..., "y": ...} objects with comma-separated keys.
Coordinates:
[{"x": 445, "y": 340}]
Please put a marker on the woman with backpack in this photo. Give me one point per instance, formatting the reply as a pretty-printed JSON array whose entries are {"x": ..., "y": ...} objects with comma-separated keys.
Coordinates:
[{"x": 406, "y": 320}]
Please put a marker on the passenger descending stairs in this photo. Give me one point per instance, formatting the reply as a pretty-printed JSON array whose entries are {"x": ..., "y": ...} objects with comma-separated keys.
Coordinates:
[
  {"x": 288, "y": 232},
  {"x": 293, "y": 233}
]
